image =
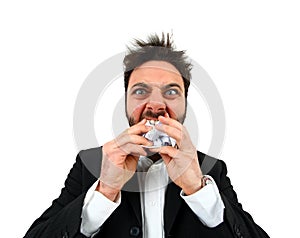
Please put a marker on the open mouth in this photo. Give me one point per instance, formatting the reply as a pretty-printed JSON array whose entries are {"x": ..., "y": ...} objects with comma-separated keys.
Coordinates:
[
  {"x": 152, "y": 122},
  {"x": 149, "y": 115}
]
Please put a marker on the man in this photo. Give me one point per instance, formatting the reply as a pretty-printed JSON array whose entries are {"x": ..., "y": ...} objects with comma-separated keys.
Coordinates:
[{"x": 144, "y": 190}]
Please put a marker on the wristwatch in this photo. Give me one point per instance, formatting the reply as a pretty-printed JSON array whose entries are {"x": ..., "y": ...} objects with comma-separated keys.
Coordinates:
[{"x": 205, "y": 180}]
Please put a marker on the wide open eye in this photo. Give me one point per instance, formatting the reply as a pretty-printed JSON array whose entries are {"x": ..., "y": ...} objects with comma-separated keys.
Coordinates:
[
  {"x": 171, "y": 92},
  {"x": 139, "y": 91}
]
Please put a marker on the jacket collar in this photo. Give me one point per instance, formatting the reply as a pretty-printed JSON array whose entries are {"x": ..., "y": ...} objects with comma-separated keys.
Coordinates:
[{"x": 173, "y": 203}]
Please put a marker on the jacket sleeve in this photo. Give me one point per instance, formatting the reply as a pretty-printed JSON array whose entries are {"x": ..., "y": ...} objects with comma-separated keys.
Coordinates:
[
  {"x": 63, "y": 217},
  {"x": 239, "y": 221}
]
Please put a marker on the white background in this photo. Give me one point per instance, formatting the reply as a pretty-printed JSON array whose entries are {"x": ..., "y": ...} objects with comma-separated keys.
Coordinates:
[{"x": 250, "y": 49}]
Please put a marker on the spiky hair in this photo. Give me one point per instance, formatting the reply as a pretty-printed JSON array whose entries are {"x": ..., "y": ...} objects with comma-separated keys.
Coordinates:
[{"x": 160, "y": 49}]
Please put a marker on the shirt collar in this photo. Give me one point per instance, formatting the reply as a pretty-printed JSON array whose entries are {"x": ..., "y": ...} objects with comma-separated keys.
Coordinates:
[{"x": 145, "y": 163}]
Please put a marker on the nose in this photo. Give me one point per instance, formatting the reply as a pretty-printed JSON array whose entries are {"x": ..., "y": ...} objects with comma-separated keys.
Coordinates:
[
  {"x": 155, "y": 107},
  {"x": 156, "y": 102}
]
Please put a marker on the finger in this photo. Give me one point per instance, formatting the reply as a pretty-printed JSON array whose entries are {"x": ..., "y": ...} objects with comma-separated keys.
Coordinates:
[
  {"x": 170, "y": 121},
  {"x": 138, "y": 129},
  {"x": 133, "y": 139},
  {"x": 142, "y": 122},
  {"x": 133, "y": 149},
  {"x": 166, "y": 158},
  {"x": 166, "y": 150},
  {"x": 170, "y": 131}
]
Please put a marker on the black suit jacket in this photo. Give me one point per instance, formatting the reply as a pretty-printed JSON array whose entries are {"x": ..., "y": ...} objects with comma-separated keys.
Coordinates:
[{"x": 63, "y": 217}]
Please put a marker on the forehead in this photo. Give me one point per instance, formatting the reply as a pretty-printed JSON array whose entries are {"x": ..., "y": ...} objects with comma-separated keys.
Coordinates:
[{"x": 157, "y": 73}]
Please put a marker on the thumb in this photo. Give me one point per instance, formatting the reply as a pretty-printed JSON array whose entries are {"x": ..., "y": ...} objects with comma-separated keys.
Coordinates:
[
  {"x": 142, "y": 122},
  {"x": 166, "y": 158}
]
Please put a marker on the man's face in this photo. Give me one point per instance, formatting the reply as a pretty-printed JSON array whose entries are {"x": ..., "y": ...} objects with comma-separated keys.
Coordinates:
[{"x": 155, "y": 88}]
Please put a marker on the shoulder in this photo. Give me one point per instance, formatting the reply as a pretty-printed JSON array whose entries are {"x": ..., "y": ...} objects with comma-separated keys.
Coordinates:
[
  {"x": 91, "y": 159},
  {"x": 90, "y": 153}
]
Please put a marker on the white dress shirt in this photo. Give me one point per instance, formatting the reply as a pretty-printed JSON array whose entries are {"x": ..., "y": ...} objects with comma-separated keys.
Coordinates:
[{"x": 153, "y": 180}]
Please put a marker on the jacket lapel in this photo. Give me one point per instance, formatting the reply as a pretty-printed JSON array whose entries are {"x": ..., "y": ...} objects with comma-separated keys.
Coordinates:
[
  {"x": 133, "y": 198},
  {"x": 172, "y": 205},
  {"x": 131, "y": 189}
]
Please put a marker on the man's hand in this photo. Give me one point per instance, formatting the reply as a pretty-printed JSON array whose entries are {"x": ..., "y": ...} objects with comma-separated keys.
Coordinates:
[
  {"x": 120, "y": 158},
  {"x": 182, "y": 162}
]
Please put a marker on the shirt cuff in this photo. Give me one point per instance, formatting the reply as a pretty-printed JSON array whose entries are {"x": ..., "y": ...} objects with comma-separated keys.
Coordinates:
[
  {"x": 206, "y": 204},
  {"x": 96, "y": 209}
]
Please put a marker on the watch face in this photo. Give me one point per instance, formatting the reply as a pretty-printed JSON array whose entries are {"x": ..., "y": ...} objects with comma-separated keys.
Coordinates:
[
  {"x": 157, "y": 137},
  {"x": 207, "y": 180}
]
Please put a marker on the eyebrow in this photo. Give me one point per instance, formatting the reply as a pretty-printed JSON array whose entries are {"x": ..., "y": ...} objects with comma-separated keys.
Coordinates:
[
  {"x": 165, "y": 87},
  {"x": 144, "y": 85},
  {"x": 171, "y": 85}
]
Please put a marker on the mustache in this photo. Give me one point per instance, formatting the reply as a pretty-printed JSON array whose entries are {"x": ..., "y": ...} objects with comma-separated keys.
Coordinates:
[{"x": 150, "y": 113}]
